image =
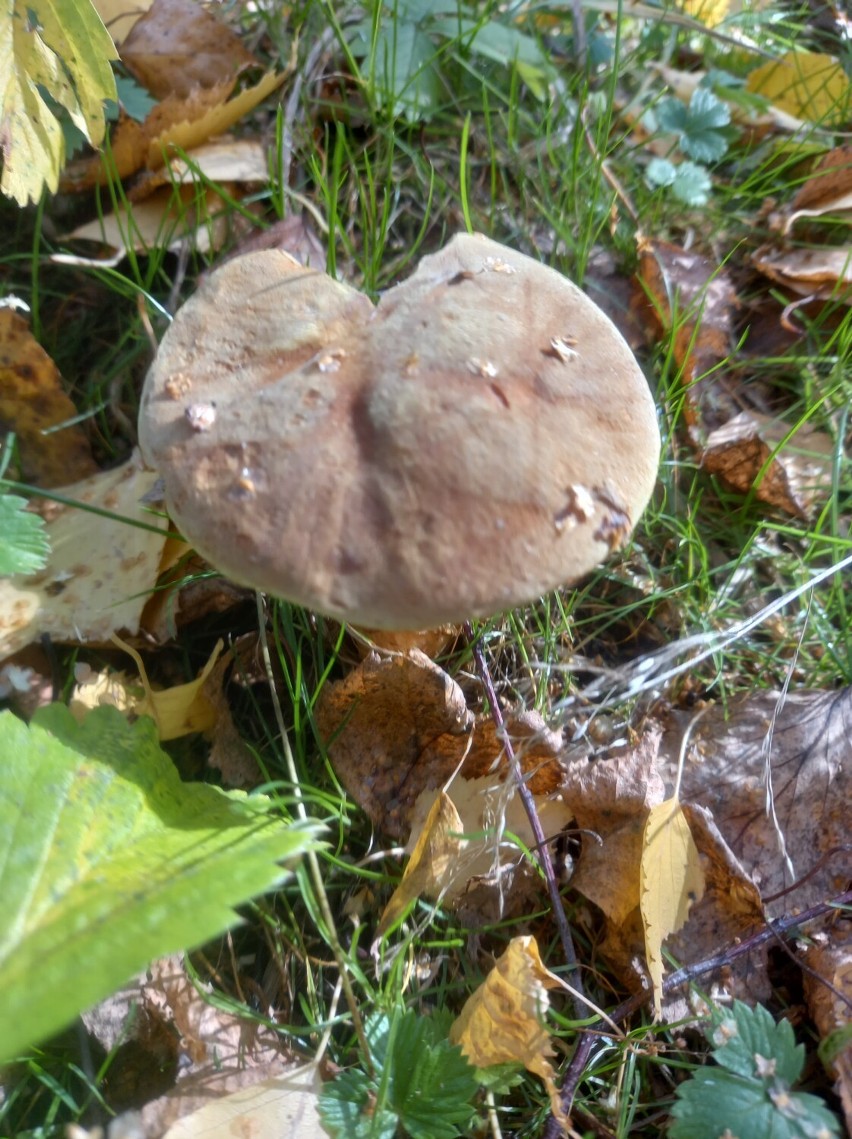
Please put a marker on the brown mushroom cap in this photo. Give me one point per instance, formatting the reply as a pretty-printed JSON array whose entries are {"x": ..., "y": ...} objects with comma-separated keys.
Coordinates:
[{"x": 480, "y": 437}]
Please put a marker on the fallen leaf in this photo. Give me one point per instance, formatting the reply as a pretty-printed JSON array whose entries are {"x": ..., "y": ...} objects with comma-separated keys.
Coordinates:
[
  {"x": 824, "y": 271},
  {"x": 809, "y": 85},
  {"x": 696, "y": 298},
  {"x": 788, "y": 467},
  {"x": 32, "y": 402},
  {"x": 827, "y": 191},
  {"x": 378, "y": 722},
  {"x": 709, "y": 12},
  {"x": 503, "y": 1021},
  {"x": 828, "y": 991},
  {"x": 178, "y": 45},
  {"x": 100, "y": 570},
  {"x": 430, "y": 869},
  {"x": 284, "y": 1105},
  {"x": 670, "y": 881}
]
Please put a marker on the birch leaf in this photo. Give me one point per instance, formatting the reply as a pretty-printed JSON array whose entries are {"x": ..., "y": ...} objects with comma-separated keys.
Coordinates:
[{"x": 671, "y": 880}]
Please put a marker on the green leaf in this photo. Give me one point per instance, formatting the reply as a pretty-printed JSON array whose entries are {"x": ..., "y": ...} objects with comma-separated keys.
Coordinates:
[
  {"x": 135, "y": 100},
  {"x": 660, "y": 172},
  {"x": 752, "y": 1099},
  {"x": 503, "y": 44},
  {"x": 746, "y": 1033},
  {"x": 24, "y": 547},
  {"x": 698, "y": 126},
  {"x": 403, "y": 71},
  {"x": 691, "y": 184},
  {"x": 59, "y": 47},
  {"x": 108, "y": 860},
  {"x": 347, "y": 1109}
]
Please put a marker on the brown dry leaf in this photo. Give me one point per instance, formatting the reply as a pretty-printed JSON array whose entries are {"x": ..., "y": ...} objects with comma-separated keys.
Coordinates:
[
  {"x": 830, "y": 957},
  {"x": 378, "y": 722},
  {"x": 695, "y": 296},
  {"x": 611, "y": 800},
  {"x": 788, "y": 467},
  {"x": 827, "y": 191},
  {"x": 502, "y": 1022},
  {"x": 430, "y": 869},
  {"x": 824, "y": 272},
  {"x": 178, "y": 45},
  {"x": 671, "y": 879},
  {"x": 32, "y": 400},
  {"x": 806, "y": 84},
  {"x": 119, "y": 16},
  {"x": 296, "y": 236},
  {"x": 100, "y": 570}
]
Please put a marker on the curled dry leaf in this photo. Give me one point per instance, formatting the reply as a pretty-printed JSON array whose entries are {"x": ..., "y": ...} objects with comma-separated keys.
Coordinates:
[
  {"x": 823, "y": 272},
  {"x": 178, "y": 45},
  {"x": 100, "y": 570},
  {"x": 503, "y": 1021},
  {"x": 33, "y": 400},
  {"x": 787, "y": 467}
]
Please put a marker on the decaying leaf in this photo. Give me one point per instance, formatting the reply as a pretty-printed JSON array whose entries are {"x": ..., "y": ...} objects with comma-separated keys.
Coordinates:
[
  {"x": 824, "y": 271},
  {"x": 786, "y": 466},
  {"x": 433, "y": 861},
  {"x": 807, "y": 84},
  {"x": 119, "y": 16},
  {"x": 100, "y": 571},
  {"x": 377, "y": 723},
  {"x": 671, "y": 879},
  {"x": 696, "y": 298},
  {"x": 32, "y": 401},
  {"x": 178, "y": 45},
  {"x": 827, "y": 191},
  {"x": 829, "y": 959},
  {"x": 503, "y": 1021}
]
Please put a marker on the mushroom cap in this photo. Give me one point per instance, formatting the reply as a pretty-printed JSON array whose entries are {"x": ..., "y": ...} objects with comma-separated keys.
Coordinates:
[{"x": 480, "y": 437}]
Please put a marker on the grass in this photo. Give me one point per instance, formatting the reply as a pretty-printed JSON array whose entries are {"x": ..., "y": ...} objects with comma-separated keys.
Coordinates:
[{"x": 541, "y": 175}]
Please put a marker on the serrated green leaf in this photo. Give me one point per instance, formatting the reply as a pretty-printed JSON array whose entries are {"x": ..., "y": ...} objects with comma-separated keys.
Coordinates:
[
  {"x": 135, "y": 100},
  {"x": 347, "y": 1110},
  {"x": 24, "y": 547},
  {"x": 108, "y": 860},
  {"x": 746, "y": 1033},
  {"x": 63, "y": 47},
  {"x": 697, "y": 126},
  {"x": 670, "y": 114},
  {"x": 692, "y": 184},
  {"x": 660, "y": 172},
  {"x": 714, "y": 1101}
]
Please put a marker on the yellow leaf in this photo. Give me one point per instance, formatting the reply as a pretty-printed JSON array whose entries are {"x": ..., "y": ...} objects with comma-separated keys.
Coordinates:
[
  {"x": 806, "y": 84},
  {"x": 502, "y": 1022},
  {"x": 63, "y": 50},
  {"x": 181, "y": 709},
  {"x": 430, "y": 868},
  {"x": 215, "y": 121},
  {"x": 671, "y": 880},
  {"x": 709, "y": 12}
]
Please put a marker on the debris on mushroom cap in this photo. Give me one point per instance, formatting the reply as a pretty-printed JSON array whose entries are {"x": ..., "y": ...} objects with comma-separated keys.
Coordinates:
[{"x": 480, "y": 437}]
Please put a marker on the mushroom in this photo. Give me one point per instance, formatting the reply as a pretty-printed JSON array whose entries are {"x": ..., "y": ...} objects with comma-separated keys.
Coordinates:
[{"x": 480, "y": 437}]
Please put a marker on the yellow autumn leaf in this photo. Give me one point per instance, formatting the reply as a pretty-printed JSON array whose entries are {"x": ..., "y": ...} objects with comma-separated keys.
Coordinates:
[
  {"x": 181, "y": 709},
  {"x": 806, "y": 84},
  {"x": 214, "y": 121},
  {"x": 709, "y": 12},
  {"x": 430, "y": 868},
  {"x": 61, "y": 50},
  {"x": 671, "y": 879},
  {"x": 503, "y": 1021}
]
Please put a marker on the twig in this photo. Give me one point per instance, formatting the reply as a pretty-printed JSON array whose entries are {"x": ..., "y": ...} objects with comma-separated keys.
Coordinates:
[
  {"x": 541, "y": 846},
  {"x": 771, "y": 931}
]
